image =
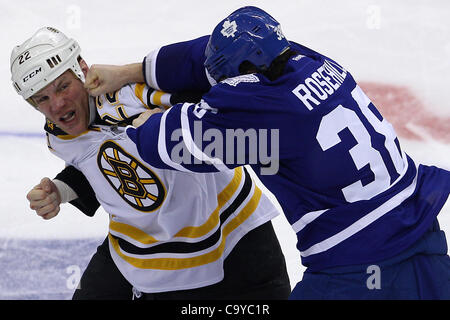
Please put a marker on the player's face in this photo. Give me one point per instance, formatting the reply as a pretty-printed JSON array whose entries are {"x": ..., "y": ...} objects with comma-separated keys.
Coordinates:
[{"x": 65, "y": 102}]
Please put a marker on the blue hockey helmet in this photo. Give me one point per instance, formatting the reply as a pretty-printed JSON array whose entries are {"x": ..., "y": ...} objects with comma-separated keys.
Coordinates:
[{"x": 247, "y": 34}]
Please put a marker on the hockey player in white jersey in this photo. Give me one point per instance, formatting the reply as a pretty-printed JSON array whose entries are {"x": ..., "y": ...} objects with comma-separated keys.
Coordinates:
[{"x": 172, "y": 235}]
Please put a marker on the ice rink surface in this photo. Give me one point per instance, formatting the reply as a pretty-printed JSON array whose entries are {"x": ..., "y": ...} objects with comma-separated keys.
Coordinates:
[{"x": 398, "y": 50}]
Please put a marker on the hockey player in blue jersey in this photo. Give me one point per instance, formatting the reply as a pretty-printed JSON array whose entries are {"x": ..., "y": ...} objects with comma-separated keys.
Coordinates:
[{"x": 363, "y": 210}]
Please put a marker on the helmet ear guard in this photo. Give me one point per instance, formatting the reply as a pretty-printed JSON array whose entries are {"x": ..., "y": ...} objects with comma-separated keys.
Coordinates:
[
  {"x": 248, "y": 34},
  {"x": 41, "y": 59}
]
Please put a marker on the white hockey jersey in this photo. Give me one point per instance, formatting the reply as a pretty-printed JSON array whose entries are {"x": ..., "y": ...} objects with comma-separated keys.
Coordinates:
[{"x": 168, "y": 230}]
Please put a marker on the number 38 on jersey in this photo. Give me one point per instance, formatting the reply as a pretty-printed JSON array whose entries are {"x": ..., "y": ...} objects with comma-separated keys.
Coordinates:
[{"x": 359, "y": 121}]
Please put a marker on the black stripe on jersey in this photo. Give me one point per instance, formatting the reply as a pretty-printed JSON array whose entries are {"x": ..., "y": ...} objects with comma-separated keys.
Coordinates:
[
  {"x": 185, "y": 247},
  {"x": 121, "y": 113},
  {"x": 149, "y": 99}
]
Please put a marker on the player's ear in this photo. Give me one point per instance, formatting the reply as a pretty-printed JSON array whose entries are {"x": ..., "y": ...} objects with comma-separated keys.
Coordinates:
[{"x": 84, "y": 66}]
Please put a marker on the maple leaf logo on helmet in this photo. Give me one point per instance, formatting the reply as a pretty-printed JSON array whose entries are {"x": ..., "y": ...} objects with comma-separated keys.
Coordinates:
[{"x": 229, "y": 28}]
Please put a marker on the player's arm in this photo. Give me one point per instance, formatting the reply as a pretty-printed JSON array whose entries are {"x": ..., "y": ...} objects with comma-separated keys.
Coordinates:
[
  {"x": 161, "y": 143},
  {"x": 224, "y": 130},
  {"x": 200, "y": 138},
  {"x": 102, "y": 79},
  {"x": 86, "y": 200},
  {"x": 122, "y": 106},
  {"x": 176, "y": 67},
  {"x": 70, "y": 185}
]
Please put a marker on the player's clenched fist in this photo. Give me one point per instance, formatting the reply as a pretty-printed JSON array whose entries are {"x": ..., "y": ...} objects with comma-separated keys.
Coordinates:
[
  {"x": 45, "y": 199},
  {"x": 102, "y": 79}
]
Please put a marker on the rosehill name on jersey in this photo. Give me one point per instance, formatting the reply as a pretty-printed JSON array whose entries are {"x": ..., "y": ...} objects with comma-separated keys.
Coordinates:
[{"x": 321, "y": 84}]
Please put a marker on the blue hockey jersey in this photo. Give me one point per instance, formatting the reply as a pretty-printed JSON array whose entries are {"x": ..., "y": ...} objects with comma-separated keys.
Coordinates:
[{"x": 315, "y": 140}]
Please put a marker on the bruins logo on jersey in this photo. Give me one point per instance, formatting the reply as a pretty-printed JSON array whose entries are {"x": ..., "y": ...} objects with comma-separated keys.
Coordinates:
[{"x": 135, "y": 183}]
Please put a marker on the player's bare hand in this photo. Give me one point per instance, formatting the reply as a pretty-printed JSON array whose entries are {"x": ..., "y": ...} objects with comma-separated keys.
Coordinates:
[
  {"x": 102, "y": 78},
  {"x": 44, "y": 198},
  {"x": 144, "y": 116}
]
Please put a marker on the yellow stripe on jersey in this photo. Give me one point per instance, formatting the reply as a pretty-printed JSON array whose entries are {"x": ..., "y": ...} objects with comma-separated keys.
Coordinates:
[
  {"x": 139, "y": 92},
  {"x": 132, "y": 232},
  {"x": 156, "y": 98},
  {"x": 213, "y": 220},
  {"x": 191, "y": 231},
  {"x": 70, "y": 137},
  {"x": 183, "y": 263}
]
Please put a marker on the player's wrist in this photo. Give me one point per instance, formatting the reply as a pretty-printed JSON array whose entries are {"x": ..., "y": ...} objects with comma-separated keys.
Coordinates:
[
  {"x": 131, "y": 73},
  {"x": 66, "y": 193}
]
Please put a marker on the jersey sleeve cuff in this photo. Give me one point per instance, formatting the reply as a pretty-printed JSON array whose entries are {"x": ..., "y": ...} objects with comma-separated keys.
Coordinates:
[{"x": 149, "y": 69}]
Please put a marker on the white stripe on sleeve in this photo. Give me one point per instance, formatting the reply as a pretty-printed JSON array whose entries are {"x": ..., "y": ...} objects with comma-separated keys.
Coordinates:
[
  {"x": 162, "y": 148},
  {"x": 150, "y": 69},
  {"x": 190, "y": 144}
]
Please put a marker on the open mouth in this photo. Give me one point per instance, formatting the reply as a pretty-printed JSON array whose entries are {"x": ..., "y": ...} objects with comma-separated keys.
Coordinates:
[{"x": 69, "y": 116}]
